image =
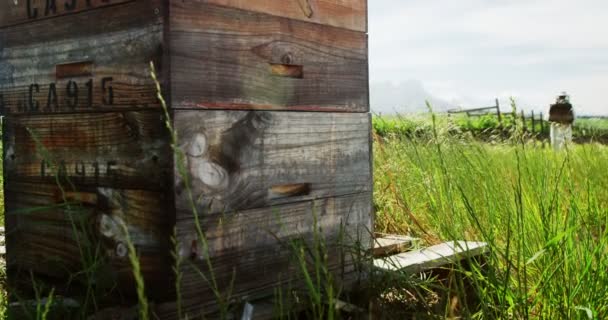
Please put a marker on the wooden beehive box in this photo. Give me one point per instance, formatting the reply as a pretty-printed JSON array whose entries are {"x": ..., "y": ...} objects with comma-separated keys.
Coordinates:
[{"x": 269, "y": 100}]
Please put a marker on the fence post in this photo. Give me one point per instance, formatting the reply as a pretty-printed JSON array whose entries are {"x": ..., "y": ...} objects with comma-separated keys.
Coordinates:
[
  {"x": 533, "y": 122},
  {"x": 498, "y": 113},
  {"x": 542, "y": 124},
  {"x": 523, "y": 121}
]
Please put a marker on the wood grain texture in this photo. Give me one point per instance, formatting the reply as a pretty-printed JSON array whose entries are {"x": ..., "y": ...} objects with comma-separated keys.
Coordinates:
[
  {"x": 349, "y": 14},
  {"x": 56, "y": 234},
  {"x": 90, "y": 62},
  {"x": 256, "y": 249},
  {"x": 239, "y": 160},
  {"x": 223, "y": 58},
  {"x": 26, "y": 11},
  {"x": 116, "y": 150},
  {"x": 133, "y": 14}
]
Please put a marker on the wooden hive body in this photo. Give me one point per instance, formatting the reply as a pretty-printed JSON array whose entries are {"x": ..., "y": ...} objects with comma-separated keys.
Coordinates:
[{"x": 269, "y": 100}]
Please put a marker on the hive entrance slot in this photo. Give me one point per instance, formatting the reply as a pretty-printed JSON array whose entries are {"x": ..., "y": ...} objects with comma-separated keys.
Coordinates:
[
  {"x": 74, "y": 70},
  {"x": 289, "y": 190},
  {"x": 287, "y": 70}
]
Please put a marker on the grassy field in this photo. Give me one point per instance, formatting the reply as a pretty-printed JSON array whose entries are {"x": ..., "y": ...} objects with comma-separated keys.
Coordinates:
[{"x": 543, "y": 213}]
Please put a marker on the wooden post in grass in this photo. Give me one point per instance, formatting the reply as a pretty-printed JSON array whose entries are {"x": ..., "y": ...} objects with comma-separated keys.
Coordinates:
[
  {"x": 542, "y": 124},
  {"x": 533, "y": 122},
  {"x": 523, "y": 121},
  {"x": 498, "y": 114}
]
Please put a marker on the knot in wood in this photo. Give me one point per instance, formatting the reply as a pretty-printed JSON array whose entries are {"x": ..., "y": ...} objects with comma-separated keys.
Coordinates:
[
  {"x": 121, "y": 250},
  {"x": 306, "y": 8}
]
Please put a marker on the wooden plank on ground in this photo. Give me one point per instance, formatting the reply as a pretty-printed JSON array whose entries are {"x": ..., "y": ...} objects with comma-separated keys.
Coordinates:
[
  {"x": 349, "y": 14},
  {"x": 105, "y": 66},
  {"x": 223, "y": 58},
  {"x": 387, "y": 244},
  {"x": 117, "y": 150},
  {"x": 254, "y": 252},
  {"x": 239, "y": 160},
  {"x": 431, "y": 257}
]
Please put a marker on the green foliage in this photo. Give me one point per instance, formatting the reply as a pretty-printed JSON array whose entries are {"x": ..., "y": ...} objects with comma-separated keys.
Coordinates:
[
  {"x": 417, "y": 125},
  {"x": 544, "y": 215},
  {"x": 399, "y": 126},
  {"x": 593, "y": 127},
  {"x": 1, "y": 176}
]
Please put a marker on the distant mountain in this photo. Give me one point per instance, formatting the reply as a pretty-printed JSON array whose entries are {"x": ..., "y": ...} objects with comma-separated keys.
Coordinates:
[{"x": 406, "y": 97}]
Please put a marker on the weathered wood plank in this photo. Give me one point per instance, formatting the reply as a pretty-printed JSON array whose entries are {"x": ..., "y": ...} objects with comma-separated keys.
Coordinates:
[
  {"x": 386, "y": 244},
  {"x": 103, "y": 68},
  {"x": 431, "y": 257},
  {"x": 349, "y": 14},
  {"x": 27, "y": 11},
  {"x": 257, "y": 247},
  {"x": 246, "y": 159},
  {"x": 59, "y": 233},
  {"x": 224, "y": 58},
  {"x": 117, "y": 150},
  {"x": 134, "y": 14}
]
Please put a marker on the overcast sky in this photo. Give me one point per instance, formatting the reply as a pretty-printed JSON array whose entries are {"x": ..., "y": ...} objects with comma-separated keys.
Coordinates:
[{"x": 468, "y": 52}]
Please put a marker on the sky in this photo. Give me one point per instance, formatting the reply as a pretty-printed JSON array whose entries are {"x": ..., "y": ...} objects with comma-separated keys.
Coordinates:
[{"x": 466, "y": 53}]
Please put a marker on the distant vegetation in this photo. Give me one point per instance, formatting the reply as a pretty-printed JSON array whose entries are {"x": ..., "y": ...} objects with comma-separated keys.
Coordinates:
[{"x": 486, "y": 126}]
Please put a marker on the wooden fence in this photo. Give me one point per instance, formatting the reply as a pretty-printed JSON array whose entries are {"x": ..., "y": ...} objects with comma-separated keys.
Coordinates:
[{"x": 528, "y": 121}]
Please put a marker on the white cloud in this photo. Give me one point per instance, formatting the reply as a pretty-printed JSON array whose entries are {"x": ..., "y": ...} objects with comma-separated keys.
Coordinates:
[{"x": 469, "y": 51}]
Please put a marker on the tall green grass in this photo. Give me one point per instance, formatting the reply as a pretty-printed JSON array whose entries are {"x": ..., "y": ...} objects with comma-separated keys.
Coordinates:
[
  {"x": 543, "y": 214},
  {"x": 3, "y": 294}
]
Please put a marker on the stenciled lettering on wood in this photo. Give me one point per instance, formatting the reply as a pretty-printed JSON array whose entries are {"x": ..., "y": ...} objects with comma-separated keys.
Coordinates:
[
  {"x": 80, "y": 170},
  {"x": 74, "y": 93},
  {"x": 35, "y": 9}
]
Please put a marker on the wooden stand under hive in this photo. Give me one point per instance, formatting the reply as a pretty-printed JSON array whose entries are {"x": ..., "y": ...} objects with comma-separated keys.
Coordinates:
[{"x": 87, "y": 153}]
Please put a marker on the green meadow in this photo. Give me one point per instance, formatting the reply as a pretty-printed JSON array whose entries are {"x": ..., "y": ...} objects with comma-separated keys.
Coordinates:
[{"x": 543, "y": 213}]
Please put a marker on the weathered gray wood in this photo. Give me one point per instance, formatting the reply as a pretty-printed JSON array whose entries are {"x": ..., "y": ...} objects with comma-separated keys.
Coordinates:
[
  {"x": 15, "y": 12},
  {"x": 431, "y": 257},
  {"x": 387, "y": 244},
  {"x": 241, "y": 160},
  {"x": 74, "y": 83},
  {"x": 51, "y": 229},
  {"x": 349, "y": 14},
  {"x": 117, "y": 150},
  {"x": 132, "y": 14},
  {"x": 257, "y": 247},
  {"x": 223, "y": 58},
  {"x": 104, "y": 69},
  {"x": 104, "y": 163}
]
